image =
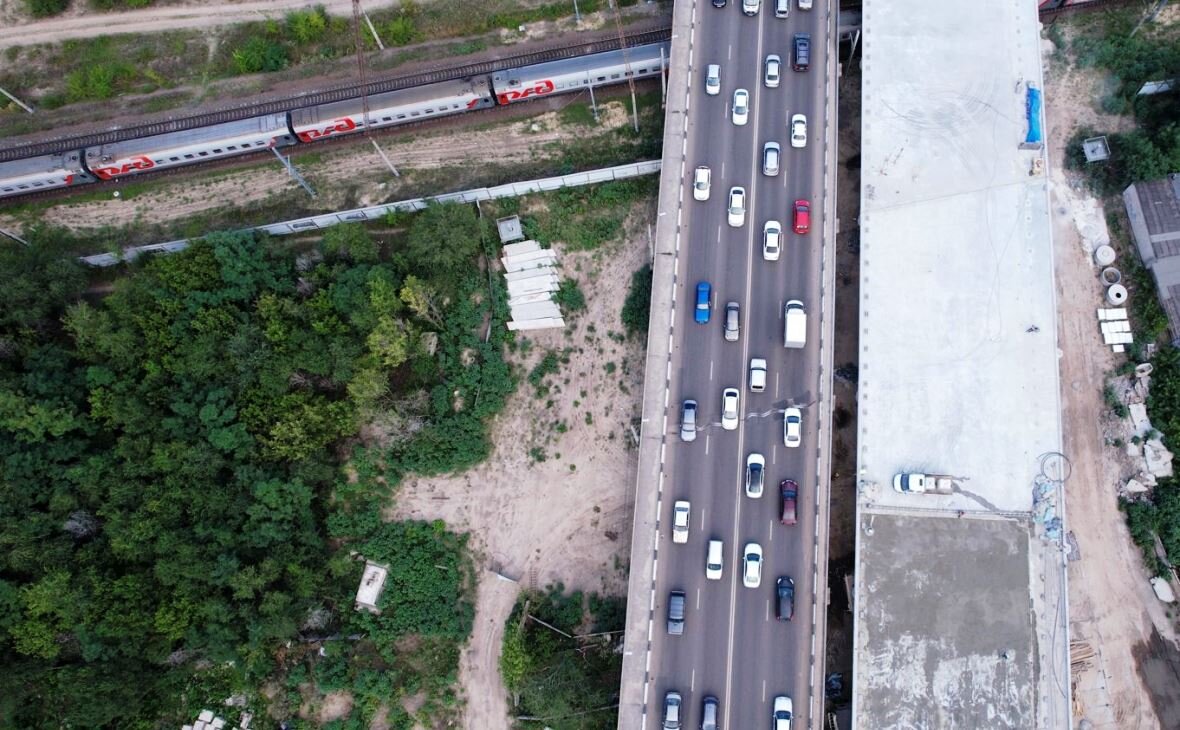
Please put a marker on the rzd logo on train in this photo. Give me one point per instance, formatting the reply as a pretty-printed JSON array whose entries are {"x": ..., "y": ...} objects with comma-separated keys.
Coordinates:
[
  {"x": 135, "y": 163},
  {"x": 542, "y": 87},
  {"x": 336, "y": 127}
]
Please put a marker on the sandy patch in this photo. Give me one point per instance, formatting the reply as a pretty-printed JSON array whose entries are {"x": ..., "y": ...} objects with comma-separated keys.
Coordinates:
[{"x": 566, "y": 518}]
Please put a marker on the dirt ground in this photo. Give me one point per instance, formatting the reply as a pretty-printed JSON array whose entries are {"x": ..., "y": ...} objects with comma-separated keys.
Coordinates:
[
  {"x": 566, "y": 518},
  {"x": 1133, "y": 681},
  {"x": 352, "y": 171}
]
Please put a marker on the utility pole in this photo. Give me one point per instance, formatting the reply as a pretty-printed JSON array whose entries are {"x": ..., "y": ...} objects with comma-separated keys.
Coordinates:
[
  {"x": 360, "y": 63},
  {"x": 15, "y": 237},
  {"x": 577, "y": 15},
  {"x": 593, "y": 106},
  {"x": 292, "y": 171},
  {"x": 17, "y": 101},
  {"x": 626, "y": 63}
]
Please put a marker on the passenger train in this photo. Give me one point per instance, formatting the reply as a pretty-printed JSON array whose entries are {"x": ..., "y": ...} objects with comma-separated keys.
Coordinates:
[{"x": 307, "y": 124}]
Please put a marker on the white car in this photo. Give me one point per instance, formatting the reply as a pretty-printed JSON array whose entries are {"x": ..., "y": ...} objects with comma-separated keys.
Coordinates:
[
  {"x": 772, "y": 240},
  {"x": 792, "y": 427},
  {"x": 750, "y": 7},
  {"x": 713, "y": 79},
  {"x": 702, "y": 183},
  {"x": 680, "y": 514},
  {"x": 713, "y": 560},
  {"x": 729, "y": 409},
  {"x": 772, "y": 74},
  {"x": 783, "y": 709},
  {"x": 737, "y": 207},
  {"x": 798, "y": 131},
  {"x": 741, "y": 107},
  {"x": 752, "y": 565},
  {"x": 805, "y": 4},
  {"x": 771, "y": 153},
  {"x": 755, "y": 475}
]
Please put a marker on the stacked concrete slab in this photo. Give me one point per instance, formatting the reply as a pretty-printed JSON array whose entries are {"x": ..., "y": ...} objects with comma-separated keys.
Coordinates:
[{"x": 531, "y": 275}]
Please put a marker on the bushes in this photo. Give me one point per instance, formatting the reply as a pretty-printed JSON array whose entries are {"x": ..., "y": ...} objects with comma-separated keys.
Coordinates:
[
  {"x": 308, "y": 26},
  {"x": 45, "y": 8},
  {"x": 570, "y": 297},
  {"x": 637, "y": 306},
  {"x": 259, "y": 54}
]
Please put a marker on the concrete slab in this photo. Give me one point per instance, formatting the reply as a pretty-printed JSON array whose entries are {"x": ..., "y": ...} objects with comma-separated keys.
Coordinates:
[
  {"x": 946, "y": 637},
  {"x": 539, "y": 310},
  {"x": 514, "y": 249}
]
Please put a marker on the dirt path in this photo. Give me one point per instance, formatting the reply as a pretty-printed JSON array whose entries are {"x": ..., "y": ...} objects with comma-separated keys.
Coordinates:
[
  {"x": 564, "y": 519},
  {"x": 1112, "y": 606},
  {"x": 21, "y": 30}
]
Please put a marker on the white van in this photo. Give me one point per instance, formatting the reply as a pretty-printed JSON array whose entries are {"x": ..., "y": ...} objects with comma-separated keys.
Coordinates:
[
  {"x": 794, "y": 325},
  {"x": 713, "y": 561},
  {"x": 782, "y": 8}
]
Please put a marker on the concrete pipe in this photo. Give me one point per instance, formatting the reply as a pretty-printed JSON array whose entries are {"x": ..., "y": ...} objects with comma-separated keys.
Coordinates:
[
  {"x": 1111, "y": 276},
  {"x": 1117, "y": 295},
  {"x": 1104, "y": 255}
]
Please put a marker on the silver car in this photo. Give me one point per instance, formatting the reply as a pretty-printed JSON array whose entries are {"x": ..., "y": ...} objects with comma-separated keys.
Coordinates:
[
  {"x": 771, "y": 153},
  {"x": 688, "y": 421},
  {"x": 672, "y": 703},
  {"x": 772, "y": 74},
  {"x": 737, "y": 207},
  {"x": 733, "y": 325}
]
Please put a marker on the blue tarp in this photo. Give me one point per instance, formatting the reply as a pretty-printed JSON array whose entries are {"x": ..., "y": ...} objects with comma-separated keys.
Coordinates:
[{"x": 1033, "y": 110}]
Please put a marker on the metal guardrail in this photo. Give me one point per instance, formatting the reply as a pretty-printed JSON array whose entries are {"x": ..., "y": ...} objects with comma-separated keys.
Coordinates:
[{"x": 375, "y": 212}]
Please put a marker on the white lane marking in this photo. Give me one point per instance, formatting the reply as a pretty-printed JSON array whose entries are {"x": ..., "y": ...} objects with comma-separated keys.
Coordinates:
[
  {"x": 706, "y": 444},
  {"x": 774, "y": 454},
  {"x": 729, "y": 53},
  {"x": 710, "y": 370},
  {"x": 692, "y": 682},
  {"x": 776, "y": 388},
  {"x": 767, "y": 618},
  {"x": 722, "y": 176},
  {"x": 764, "y": 690},
  {"x": 698, "y": 599},
  {"x": 770, "y": 532}
]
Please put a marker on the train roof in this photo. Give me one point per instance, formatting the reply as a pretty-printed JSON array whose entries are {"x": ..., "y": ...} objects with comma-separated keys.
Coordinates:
[
  {"x": 448, "y": 90},
  {"x": 636, "y": 56},
  {"x": 268, "y": 125},
  {"x": 42, "y": 164}
]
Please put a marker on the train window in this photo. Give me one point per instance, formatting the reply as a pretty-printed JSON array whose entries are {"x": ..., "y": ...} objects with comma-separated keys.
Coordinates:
[
  {"x": 430, "y": 111},
  {"x": 602, "y": 78},
  {"x": 401, "y": 116},
  {"x": 614, "y": 76},
  {"x": 231, "y": 148},
  {"x": 386, "y": 119},
  {"x": 217, "y": 152},
  {"x": 203, "y": 154},
  {"x": 413, "y": 114},
  {"x": 188, "y": 157},
  {"x": 174, "y": 159}
]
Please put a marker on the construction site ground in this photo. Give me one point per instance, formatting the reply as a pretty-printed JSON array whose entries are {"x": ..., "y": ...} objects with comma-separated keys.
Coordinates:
[
  {"x": 566, "y": 518},
  {"x": 1133, "y": 678}
]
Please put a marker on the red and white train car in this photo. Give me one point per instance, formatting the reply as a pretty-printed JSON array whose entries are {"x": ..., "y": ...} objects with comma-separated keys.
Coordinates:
[
  {"x": 45, "y": 172},
  {"x": 175, "y": 149},
  {"x": 572, "y": 74},
  {"x": 391, "y": 108}
]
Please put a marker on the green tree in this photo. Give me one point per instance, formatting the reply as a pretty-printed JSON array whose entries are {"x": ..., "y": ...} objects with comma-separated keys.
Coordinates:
[
  {"x": 443, "y": 241},
  {"x": 637, "y": 305}
]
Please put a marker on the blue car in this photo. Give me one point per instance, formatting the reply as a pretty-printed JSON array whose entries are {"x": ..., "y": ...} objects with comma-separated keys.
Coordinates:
[{"x": 704, "y": 302}]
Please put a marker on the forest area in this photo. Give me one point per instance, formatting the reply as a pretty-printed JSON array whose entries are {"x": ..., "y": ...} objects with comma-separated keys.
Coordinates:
[{"x": 193, "y": 459}]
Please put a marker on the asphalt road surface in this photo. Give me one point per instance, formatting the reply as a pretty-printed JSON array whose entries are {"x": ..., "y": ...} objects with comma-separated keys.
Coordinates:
[{"x": 733, "y": 647}]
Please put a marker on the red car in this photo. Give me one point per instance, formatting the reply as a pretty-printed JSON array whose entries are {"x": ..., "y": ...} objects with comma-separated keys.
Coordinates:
[
  {"x": 802, "y": 216},
  {"x": 790, "y": 490}
]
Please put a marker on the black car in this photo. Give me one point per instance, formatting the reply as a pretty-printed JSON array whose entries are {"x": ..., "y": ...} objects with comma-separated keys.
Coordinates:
[
  {"x": 784, "y": 588},
  {"x": 676, "y": 602},
  {"x": 802, "y": 51}
]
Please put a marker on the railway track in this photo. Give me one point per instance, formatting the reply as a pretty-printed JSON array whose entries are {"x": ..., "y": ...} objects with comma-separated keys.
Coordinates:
[{"x": 336, "y": 93}]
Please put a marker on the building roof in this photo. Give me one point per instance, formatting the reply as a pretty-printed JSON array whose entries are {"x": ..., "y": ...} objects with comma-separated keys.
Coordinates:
[
  {"x": 957, "y": 376},
  {"x": 1160, "y": 203}
]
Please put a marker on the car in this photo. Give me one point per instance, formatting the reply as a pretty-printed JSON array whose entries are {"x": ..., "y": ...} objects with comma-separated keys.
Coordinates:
[
  {"x": 772, "y": 237},
  {"x": 713, "y": 560},
  {"x": 702, "y": 183},
  {"x": 789, "y": 491},
  {"x": 802, "y": 216},
  {"x": 729, "y": 409},
  {"x": 757, "y": 374},
  {"x": 680, "y": 515},
  {"x": 780, "y": 718},
  {"x": 718, "y": 3},
  {"x": 784, "y": 591},
  {"x": 688, "y": 420},
  {"x": 802, "y": 47},
  {"x": 737, "y": 207},
  {"x": 752, "y": 565},
  {"x": 741, "y": 107},
  {"x": 799, "y": 131},
  {"x": 771, "y": 152},
  {"x": 803, "y": 4},
  {"x": 792, "y": 427},
  {"x": 710, "y": 709},
  {"x": 672, "y": 702},
  {"x": 755, "y": 475},
  {"x": 750, "y": 7},
  {"x": 733, "y": 326},
  {"x": 704, "y": 305},
  {"x": 676, "y": 603},
  {"x": 713, "y": 79},
  {"x": 772, "y": 71},
  {"x": 782, "y": 8}
]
